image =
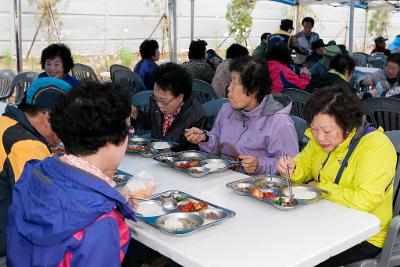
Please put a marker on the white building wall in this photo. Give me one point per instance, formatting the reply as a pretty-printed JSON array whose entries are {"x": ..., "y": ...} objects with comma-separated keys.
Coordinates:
[{"x": 102, "y": 26}]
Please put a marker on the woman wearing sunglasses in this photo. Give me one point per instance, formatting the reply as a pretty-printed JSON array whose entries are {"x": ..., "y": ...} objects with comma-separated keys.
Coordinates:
[{"x": 172, "y": 109}]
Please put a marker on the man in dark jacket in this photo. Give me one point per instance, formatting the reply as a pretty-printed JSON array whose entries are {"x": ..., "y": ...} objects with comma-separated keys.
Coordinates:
[
  {"x": 172, "y": 109},
  {"x": 26, "y": 134}
]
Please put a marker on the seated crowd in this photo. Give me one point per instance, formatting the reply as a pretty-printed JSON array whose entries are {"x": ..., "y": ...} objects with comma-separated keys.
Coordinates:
[{"x": 54, "y": 205}]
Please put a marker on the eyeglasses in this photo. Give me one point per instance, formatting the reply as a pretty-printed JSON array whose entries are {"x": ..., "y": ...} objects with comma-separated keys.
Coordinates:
[{"x": 162, "y": 102}]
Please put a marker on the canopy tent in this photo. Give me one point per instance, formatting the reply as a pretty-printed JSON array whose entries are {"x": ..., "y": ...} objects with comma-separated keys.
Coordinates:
[{"x": 172, "y": 8}]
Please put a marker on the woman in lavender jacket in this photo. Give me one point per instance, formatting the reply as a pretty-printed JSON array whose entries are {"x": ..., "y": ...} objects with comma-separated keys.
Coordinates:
[{"x": 257, "y": 124}]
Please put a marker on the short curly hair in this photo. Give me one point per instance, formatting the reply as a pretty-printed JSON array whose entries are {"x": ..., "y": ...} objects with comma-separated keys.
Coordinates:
[
  {"x": 173, "y": 78},
  {"x": 337, "y": 101},
  {"x": 58, "y": 50},
  {"x": 254, "y": 76},
  {"x": 148, "y": 48},
  {"x": 197, "y": 49},
  {"x": 90, "y": 116}
]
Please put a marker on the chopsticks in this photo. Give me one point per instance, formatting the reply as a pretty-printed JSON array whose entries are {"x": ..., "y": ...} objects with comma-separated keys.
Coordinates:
[{"x": 285, "y": 157}]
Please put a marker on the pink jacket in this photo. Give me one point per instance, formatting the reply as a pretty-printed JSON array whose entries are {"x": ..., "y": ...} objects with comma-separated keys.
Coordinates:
[{"x": 283, "y": 77}]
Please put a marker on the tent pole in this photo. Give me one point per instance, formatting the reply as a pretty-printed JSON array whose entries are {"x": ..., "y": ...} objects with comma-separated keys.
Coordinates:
[
  {"x": 296, "y": 17},
  {"x": 351, "y": 27},
  {"x": 365, "y": 29},
  {"x": 18, "y": 30},
  {"x": 191, "y": 20},
  {"x": 172, "y": 14}
]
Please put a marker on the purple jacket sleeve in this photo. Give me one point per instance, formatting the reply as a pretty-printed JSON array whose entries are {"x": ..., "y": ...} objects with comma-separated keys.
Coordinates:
[
  {"x": 284, "y": 139},
  {"x": 213, "y": 137},
  {"x": 99, "y": 249}
]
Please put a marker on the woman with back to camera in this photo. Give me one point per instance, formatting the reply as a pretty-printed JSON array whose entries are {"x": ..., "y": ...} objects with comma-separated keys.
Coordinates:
[
  {"x": 147, "y": 65},
  {"x": 65, "y": 209},
  {"x": 278, "y": 61},
  {"x": 258, "y": 125},
  {"x": 338, "y": 131},
  {"x": 57, "y": 61}
]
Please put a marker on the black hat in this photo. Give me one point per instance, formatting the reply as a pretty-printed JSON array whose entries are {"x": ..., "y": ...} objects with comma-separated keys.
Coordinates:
[
  {"x": 317, "y": 44},
  {"x": 379, "y": 40},
  {"x": 287, "y": 24}
]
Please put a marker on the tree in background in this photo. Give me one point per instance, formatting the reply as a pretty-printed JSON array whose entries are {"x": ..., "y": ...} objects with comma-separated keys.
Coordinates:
[
  {"x": 238, "y": 15},
  {"x": 48, "y": 17},
  {"x": 378, "y": 23}
]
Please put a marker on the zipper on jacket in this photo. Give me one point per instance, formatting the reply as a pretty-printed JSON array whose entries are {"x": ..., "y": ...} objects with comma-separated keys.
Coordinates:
[{"x": 322, "y": 166}]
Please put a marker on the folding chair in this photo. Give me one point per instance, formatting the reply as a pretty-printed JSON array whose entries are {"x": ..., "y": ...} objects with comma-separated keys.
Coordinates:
[
  {"x": 378, "y": 61},
  {"x": 212, "y": 108},
  {"x": 20, "y": 83},
  {"x": 361, "y": 59},
  {"x": 299, "y": 100},
  {"x": 301, "y": 126},
  {"x": 203, "y": 91},
  {"x": 383, "y": 111},
  {"x": 115, "y": 67},
  {"x": 82, "y": 72},
  {"x": 6, "y": 77},
  {"x": 129, "y": 81},
  {"x": 141, "y": 100}
]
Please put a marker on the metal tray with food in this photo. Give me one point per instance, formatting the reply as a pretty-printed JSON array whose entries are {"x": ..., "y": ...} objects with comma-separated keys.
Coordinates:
[
  {"x": 196, "y": 163},
  {"x": 273, "y": 190},
  {"x": 189, "y": 215},
  {"x": 121, "y": 177},
  {"x": 148, "y": 147}
]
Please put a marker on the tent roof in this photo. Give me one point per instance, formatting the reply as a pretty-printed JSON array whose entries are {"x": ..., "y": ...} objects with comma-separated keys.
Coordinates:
[{"x": 370, "y": 4}]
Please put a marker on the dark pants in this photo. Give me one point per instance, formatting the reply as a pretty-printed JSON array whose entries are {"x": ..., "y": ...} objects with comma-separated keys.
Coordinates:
[
  {"x": 138, "y": 254},
  {"x": 361, "y": 251}
]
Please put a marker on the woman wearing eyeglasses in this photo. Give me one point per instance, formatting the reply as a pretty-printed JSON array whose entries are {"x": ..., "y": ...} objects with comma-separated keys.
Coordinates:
[
  {"x": 355, "y": 163},
  {"x": 254, "y": 122},
  {"x": 172, "y": 109}
]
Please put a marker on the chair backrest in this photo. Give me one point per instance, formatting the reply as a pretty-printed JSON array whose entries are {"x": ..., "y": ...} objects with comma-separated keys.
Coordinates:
[
  {"x": 6, "y": 77},
  {"x": 20, "y": 83},
  {"x": 212, "y": 108},
  {"x": 141, "y": 100},
  {"x": 394, "y": 137},
  {"x": 82, "y": 71},
  {"x": 301, "y": 126},
  {"x": 299, "y": 100},
  {"x": 361, "y": 59},
  {"x": 129, "y": 81},
  {"x": 377, "y": 61},
  {"x": 203, "y": 91},
  {"x": 383, "y": 111},
  {"x": 115, "y": 67}
]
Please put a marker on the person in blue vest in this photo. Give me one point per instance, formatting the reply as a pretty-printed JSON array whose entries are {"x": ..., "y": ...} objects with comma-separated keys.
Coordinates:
[
  {"x": 57, "y": 61},
  {"x": 283, "y": 36}
]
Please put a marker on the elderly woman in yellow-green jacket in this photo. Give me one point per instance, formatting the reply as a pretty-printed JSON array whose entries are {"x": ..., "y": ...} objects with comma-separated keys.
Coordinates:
[{"x": 338, "y": 133}]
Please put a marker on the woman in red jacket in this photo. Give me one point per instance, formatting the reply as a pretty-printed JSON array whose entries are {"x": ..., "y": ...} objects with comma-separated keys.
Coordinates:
[{"x": 278, "y": 58}]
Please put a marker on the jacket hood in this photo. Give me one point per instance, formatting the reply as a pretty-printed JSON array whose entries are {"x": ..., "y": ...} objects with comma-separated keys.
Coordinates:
[
  {"x": 277, "y": 104},
  {"x": 53, "y": 200}
]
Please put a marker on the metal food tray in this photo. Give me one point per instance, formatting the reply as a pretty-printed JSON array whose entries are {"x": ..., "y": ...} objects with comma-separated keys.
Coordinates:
[
  {"x": 152, "y": 221},
  {"x": 149, "y": 151},
  {"x": 277, "y": 185},
  {"x": 121, "y": 177},
  {"x": 172, "y": 158}
]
